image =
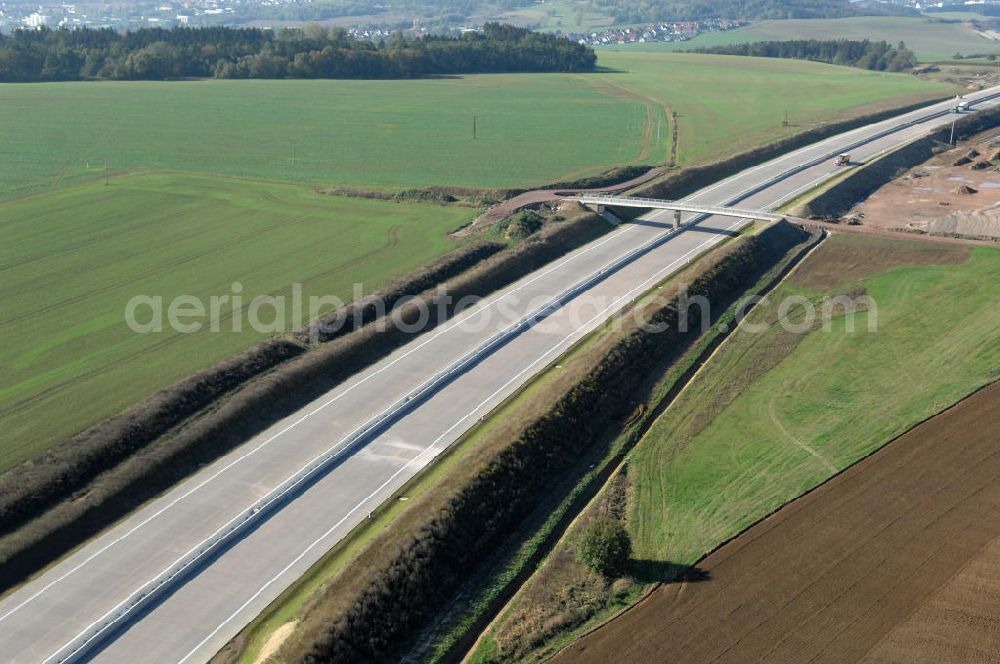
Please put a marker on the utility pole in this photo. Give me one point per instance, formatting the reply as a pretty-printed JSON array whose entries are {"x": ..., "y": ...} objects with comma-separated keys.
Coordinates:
[
  {"x": 674, "y": 138},
  {"x": 105, "y": 172},
  {"x": 293, "y": 154},
  {"x": 473, "y": 127},
  {"x": 951, "y": 141}
]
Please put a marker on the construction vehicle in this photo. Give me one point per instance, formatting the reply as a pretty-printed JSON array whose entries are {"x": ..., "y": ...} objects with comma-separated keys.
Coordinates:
[{"x": 842, "y": 160}]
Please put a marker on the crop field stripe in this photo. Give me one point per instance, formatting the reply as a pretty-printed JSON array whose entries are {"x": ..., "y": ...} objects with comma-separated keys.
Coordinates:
[{"x": 88, "y": 249}]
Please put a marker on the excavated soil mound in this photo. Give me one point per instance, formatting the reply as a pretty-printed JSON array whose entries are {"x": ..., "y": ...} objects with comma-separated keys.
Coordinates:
[
  {"x": 895, "y": 560},
  {"x": 981, "y": 224},
  {"x": 966, "y": 190},
  {"x": 967, "y": 158}
]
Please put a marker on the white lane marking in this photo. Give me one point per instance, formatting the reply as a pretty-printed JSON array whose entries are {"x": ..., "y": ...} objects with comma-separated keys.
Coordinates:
[
  {"x": 493, "y": 301},
  {"x": 472, "y": 414}
]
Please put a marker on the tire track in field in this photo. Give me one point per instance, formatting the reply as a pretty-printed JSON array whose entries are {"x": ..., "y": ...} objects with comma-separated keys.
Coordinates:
[
  {"x": 648, "y": 103},
  {"x": 103, "y": 139},
  {"x": 787, "y": 435},
  {"x": 95, "y": 239}
]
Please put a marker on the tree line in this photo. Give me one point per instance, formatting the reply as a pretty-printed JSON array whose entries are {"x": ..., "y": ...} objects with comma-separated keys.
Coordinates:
[
  {"x": 645, "y": 11},
  {"x": 874, "y": 55},
  {"x": 313, "y": 52}
]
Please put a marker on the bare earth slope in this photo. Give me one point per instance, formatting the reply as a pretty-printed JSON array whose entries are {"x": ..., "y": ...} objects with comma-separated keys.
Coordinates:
[{"x": 895, "y": 560}]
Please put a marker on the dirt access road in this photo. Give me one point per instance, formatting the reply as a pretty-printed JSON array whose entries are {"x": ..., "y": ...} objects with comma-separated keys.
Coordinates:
[
  {"x": 536, "y": 196},
  {"x": 897, "y": 559}
]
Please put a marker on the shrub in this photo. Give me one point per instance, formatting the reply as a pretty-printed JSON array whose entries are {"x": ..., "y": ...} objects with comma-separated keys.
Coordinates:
[
  {"x": 604, "y": 547},
  {"x": 523, "y": 224}
]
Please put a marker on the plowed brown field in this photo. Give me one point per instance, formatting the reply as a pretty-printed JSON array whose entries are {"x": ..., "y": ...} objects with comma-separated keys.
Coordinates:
[{"x": 897, "y": 559}]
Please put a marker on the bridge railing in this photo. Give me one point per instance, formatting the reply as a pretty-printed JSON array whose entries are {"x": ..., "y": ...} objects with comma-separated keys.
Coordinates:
[{"x": 663, "y": 204}]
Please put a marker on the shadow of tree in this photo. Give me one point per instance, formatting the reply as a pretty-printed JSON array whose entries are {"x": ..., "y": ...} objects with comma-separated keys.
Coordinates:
[{"x": 652, "y": 571}]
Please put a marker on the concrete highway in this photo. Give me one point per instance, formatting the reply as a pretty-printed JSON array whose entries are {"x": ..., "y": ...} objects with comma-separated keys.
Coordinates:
[{"x": 80, "y": 608}]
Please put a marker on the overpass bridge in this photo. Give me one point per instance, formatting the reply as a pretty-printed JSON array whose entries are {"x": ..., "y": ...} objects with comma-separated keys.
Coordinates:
[{"x": 600, "y": 201}]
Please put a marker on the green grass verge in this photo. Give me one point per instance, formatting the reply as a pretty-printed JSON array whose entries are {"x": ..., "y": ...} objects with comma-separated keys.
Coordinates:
[
  {"x": 73, "y": 258},
  {"x": 531, "y": 128},
  {"x": 773, "y": 415},
  {"x": 930, "y": 38}
]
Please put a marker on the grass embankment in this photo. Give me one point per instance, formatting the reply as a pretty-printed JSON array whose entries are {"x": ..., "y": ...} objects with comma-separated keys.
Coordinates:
[
  {"x": 531, "y": 128},
  {"x": 73, "y": 258},
  {"x": 551, "y": 399},
  {"x": 931, "y": 38},
  {"x": 774, "y": 414}
]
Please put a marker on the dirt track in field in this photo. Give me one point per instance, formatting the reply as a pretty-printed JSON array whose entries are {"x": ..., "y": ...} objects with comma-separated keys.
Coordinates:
[
  {"x": 536, "y": 196},
  {"x": 897, "y": 559}
]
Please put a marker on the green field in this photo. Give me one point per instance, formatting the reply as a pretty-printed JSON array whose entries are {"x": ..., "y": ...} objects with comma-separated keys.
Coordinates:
[
  {"x": 71, "y": 260},
  {"x": 393, "y": 134},
  {"x": 747, "y": 98},
  {"x": 182, "y": 214},
  {"x": 773, "y": 415},
  {"x": 383, "y": 134},
  {"x": 930, "y": 39}
]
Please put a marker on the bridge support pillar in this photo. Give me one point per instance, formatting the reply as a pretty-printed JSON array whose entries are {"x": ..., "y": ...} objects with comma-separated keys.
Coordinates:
[
  {"x": 677, "y": 219},
  {"x": 599, "y": 209}
]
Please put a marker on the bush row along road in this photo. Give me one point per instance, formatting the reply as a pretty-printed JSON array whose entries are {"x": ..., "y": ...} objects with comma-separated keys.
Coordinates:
[{"x": 50, "y": 617}]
